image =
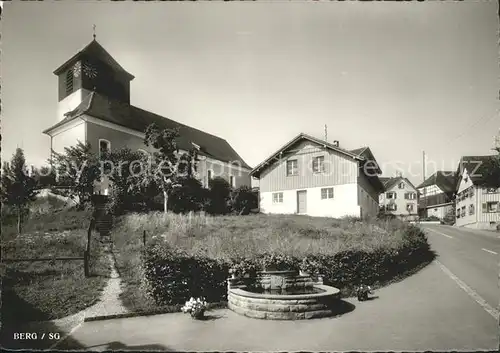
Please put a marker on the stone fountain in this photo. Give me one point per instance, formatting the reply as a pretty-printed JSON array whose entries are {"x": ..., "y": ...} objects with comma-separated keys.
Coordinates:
[{"x": 282, "y": 295}]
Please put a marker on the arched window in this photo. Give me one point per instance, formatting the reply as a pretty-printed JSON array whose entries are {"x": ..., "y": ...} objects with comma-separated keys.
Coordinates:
[{"x": 104, "y": 147}]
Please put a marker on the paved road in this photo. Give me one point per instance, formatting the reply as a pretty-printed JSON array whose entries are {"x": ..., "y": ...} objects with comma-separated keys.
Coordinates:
[{"x": 472, "y": 256}]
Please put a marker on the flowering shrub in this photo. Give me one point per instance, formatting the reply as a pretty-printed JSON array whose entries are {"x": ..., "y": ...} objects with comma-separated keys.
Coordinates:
[
  {"x": 244, "y": 267},
  {"x": 362, "y": 292},
  {"x": 278, "y": 262},
  {"x": 195, "y": 307}
]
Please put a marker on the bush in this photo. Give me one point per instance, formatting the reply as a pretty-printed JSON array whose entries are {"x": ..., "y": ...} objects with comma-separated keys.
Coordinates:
[
  {"x": 219, "y": 197},
  {"x": 189, "y": 196},
  {"x": 174, "y": 276},
  {"x": 243, "y": 200}
]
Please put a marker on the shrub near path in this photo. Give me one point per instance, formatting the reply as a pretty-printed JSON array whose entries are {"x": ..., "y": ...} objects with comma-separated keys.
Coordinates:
[{"x": 190, "y": 255}]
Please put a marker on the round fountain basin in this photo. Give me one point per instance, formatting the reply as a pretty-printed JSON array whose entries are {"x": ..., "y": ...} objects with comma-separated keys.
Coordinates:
[{"x": 320, "y": 303}]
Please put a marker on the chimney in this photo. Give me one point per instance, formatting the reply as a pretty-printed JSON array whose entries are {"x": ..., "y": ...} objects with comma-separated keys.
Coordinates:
[{"x": 336, "y": 143}]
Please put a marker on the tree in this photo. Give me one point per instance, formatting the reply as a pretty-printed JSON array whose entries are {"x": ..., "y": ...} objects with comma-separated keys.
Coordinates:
[
  {"x": 167, "y": 166},
  {"x": 78, "y": 168},
  {"x": 243, "y": 200},
  {"x": 18, "y": 188},
  {"x": 128, "y": 192},
  {"x": 219, "y": 196},
  {"x": 45, "y": 177}
]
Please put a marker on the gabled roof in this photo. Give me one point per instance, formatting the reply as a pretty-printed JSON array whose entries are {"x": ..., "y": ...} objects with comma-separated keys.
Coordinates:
[
  {"x": 96, "y": 51},
  {"x": 384, "y": 180},
  {"x": 481, "y": 170},
  {"x": 361, "y": 155},
  {"x": 359, "y": 151},
  {"x": 390, "y": 182},
  {"x": 367, "y": 155},
  {"x": 258, "y": 169},
  {"x": 445, "y": 180},
  {"x": 128, "y": 116}
]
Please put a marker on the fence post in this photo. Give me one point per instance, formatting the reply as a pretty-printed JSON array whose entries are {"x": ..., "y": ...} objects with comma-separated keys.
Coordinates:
[
  {"x": 86, "y": 266},
  {"x": 144, "y": 238},
  {"x": 86, "y": 254}
]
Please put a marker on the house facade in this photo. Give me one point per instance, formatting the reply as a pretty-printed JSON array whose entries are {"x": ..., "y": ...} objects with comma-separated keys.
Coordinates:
[
  {"x": 436, "y": 195},
  {"x": 94, "y": 107},
  {"x": 309, "y": 176},
  {"x": 400, "y": 198},
  {"x": 477, "y": 204}
]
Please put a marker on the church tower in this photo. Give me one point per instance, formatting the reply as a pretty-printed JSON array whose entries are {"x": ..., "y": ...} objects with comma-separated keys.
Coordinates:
[{"x": 91, "y": 69}]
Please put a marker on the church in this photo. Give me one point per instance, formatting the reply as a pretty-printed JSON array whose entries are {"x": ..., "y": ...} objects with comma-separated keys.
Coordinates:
[{"x": 94, "y": 107}]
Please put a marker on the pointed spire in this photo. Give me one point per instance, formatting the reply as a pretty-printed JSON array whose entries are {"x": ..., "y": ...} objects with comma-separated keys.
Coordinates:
[{"x": 93, "y": 28}]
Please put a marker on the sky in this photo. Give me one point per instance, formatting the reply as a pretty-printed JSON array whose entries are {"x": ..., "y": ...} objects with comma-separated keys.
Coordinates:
[{"x": 401, "y": 78}]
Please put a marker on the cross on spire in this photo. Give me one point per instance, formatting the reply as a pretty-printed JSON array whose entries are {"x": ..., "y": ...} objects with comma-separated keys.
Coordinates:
[{"x": 93, "y": 28}]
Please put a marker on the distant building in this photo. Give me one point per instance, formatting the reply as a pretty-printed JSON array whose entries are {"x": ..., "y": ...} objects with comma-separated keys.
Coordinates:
[
  {"x": 94, "y": 107},
  {"x": 436, "y": 194},
  {"x": 309, "y": 176},
  {"x": 477, "y": 203},
  {"x": 400, "y": 198}
]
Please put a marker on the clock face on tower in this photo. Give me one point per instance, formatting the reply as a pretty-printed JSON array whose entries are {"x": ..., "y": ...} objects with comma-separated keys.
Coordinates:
[
  {"x": 89, "y": 70},
  {"x": 77, "y": 69}
]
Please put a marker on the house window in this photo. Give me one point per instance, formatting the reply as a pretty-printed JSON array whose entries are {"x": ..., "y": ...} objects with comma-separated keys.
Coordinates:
[
  {"x": 410, "y": 196},
  {"x": 471, "y": 209},
  {"x": 278, "y": 197},
  {"x": 104, "y": 147},
  {"x": 326, "y": 193},
  {"x": 69, "y": 82},
  {"x": 391, "y": 195},
  {"x": 463, "y": 211},
  {"x": 232, "y": 181},
  {"x": 318, "y": 164},
  {"x": 392, "y": 207},
  {"x": 409, "y": 207},
  {"x": 490, "y": 207},
  {"x": 401, "y": 185},
  {"x": 292, "y": 167}
]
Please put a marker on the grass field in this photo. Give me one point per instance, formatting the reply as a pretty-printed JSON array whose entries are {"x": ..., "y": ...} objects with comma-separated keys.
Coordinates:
[
  {"x": 240, "y": 236},
  {"x": 37, "y": 291}
]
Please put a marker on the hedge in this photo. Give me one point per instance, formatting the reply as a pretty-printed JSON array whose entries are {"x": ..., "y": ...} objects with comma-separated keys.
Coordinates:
[{"x": 173, "y": 276}]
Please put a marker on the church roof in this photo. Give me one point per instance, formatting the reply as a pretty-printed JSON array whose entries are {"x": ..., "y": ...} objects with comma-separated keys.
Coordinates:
[
  {"x": 96, "y": 51},
  {"x": 126, "y": 115}
]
